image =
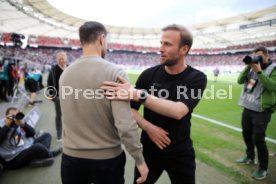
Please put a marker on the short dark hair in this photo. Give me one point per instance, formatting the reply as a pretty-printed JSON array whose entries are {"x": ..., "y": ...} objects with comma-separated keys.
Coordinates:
[
  {"x": 186, "y": 37},
  {"x": 262, "y": 49},
  {"x": 90, "y": 31},
  {"x": 10, "y": 109}
]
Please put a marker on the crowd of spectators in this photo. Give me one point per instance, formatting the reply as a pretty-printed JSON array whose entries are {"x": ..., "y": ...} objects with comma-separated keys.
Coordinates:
[
  {"x": 75, "y": 43},
  {"x": 128, "y": 60},
  {"x": 42, "y": 50}
]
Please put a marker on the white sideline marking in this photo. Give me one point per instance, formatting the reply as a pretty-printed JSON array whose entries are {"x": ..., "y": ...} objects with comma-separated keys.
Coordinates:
[{"x": 227, "y": 126}]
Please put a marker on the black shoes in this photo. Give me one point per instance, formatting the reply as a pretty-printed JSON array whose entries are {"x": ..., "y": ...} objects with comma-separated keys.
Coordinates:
[
  {"x": 42, "y": 162},
  {"x": 38, "y": 101},
  {"x": 31, "y": 104},
  {"x": 56, "y": 152}
]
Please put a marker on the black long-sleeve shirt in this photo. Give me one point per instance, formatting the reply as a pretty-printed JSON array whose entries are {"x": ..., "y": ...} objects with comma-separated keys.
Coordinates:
[{"x": 53, "y": 80}]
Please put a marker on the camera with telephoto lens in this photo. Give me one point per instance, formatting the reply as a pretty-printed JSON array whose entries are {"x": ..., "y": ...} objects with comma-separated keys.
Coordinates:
[
  {"x": 252, "y": 60},
  {"x": 18, "y": 116}
]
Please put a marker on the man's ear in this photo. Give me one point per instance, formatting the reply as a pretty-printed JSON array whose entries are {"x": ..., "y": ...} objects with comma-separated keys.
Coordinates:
[
  {"x": 102, "y": 39},
  {"x": 184, "y": 49}
]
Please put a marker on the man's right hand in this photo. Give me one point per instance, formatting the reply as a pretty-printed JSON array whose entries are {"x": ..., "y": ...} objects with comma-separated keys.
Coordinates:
[{"x": 143, "y": 170}]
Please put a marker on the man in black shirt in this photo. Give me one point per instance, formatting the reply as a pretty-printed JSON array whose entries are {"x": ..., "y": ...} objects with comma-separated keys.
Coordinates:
[
  {"x": 169, "y": 93},
  {"x": 53, "y": 88}
]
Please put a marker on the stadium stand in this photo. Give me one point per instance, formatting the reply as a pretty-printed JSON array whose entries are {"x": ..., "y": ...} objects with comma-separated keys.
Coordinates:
[{"x": 205, "y": 60}]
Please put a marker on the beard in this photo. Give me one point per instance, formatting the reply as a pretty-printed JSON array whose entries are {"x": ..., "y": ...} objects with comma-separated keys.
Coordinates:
[{"x": 170, "y": 62}]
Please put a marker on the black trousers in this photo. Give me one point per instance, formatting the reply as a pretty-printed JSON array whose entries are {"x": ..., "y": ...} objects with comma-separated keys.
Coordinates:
[
  {"x": 31, "y": 85},
  {"x": 11, "y": 82},
  {"x": 58, "y": 121},
  {"x": 86, "y": 171},
  {"x": 181, "y": 169},
  {"x": 39, "y": 150},
  {"x": 254, "y": 126},
  {"x": 3, "y": 89}
]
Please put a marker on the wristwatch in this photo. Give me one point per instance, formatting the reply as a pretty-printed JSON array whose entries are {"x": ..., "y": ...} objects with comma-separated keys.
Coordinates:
[
  {"x": 143, "y": 96},
  {"x": 259, "y": 72}
]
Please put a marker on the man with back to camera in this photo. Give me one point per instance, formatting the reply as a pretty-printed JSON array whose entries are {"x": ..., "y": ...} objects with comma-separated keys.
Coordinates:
[
  {"x": 259, "y": 101},
  {"x": 167, "y": 121},
  {"x": 94, "y": 127},
  {"x": 18, "y": 145}
]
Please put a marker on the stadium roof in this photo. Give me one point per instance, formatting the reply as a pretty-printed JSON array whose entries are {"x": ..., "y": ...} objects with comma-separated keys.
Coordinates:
[{"x": 38, "y": 17}]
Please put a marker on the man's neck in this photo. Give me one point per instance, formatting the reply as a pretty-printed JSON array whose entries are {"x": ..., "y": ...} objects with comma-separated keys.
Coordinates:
[
  {"x": 176, "y": 69},
  {"x": 91, "y": 50}
]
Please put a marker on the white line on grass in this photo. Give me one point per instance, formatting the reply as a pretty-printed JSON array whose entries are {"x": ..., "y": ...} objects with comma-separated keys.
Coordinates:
[{"x": 227, "y": 126}]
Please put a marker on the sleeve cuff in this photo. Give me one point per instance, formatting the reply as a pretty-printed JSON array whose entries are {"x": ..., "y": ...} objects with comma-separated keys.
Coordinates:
[{"x": 139, "y": 159}]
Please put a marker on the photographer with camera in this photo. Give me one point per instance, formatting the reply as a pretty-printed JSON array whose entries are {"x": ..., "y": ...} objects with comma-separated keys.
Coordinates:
[
  {"x": 259, "y": 101},
  {"x": 18, "y": 145}
]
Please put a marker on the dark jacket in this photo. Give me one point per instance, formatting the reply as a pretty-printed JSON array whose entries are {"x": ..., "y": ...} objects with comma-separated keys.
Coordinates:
[
  {"x": 8, "y": 150},
  {"x": 53, "y": 81}
]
